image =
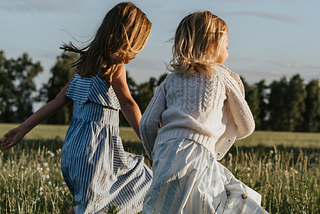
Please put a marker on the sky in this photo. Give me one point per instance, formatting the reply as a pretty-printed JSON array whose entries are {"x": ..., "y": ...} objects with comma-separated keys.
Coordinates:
[{"x": 268, "y": 39}]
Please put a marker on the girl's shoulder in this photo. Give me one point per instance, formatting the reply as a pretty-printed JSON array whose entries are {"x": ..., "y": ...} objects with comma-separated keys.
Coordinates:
[
  {"x": 230, "y": 78},
  {"x": 227, "y": 72},
  {"x": 92, "y": 89}
]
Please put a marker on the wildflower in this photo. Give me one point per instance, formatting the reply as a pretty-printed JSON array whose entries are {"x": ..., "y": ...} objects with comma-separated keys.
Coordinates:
[
  {"x": 48, "y": 169},
  {"x": 38, "y": 199},
  {"x": 296, "y": 172},
  {"x": 64, "y": 184},
  {"x": 52, "y": 154},
  {"x": 49, "y": 183},
  {"x": 48, "y": 176},
  {"x": 41, "y": 193},
  {"x": 248, "y": 175},
  {"x": 41, "y": 189},
  {"x": 248, "y": 169},
  {"x": 45, "y": 164},
  {"x": 271, "y": 151},
  {"x": 43, "y": 177},
  {"x": 4, "y": 169}
]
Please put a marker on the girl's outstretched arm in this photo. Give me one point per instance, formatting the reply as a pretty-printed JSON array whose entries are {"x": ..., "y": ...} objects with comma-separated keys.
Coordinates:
[
  {"x": 129, "y": 107},
  {"x": 14, "y": 136}
]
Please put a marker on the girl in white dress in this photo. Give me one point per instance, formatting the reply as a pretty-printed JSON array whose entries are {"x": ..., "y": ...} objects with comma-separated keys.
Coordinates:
[{"x": 201, "y": 110}]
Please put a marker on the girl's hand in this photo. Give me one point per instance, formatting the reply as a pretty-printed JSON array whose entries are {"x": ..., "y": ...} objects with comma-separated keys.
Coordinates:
[{"x": 11, "y": 138}]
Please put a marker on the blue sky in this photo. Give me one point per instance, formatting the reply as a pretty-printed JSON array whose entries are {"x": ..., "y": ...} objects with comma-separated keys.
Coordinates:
[{"x": 268, "y": 38}]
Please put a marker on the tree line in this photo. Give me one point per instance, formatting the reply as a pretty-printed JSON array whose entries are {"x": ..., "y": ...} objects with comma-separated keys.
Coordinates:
[{"x": 288, "y": 104}]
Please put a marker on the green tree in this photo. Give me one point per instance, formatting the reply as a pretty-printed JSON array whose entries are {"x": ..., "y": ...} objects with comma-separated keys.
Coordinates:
[
  {"x": 263, "y": 104},
  {"x": 61, "y": 73},
  {"x": 6, "y": 90},
  {"x": 296, "y": 102},
  {"x": 277, "y": 107},
  {"x": 287, "y": 104},
  {"x": 312, "y": 102},
  {"x": 145, "y": 91},
  {"x": 24, "y": 71},
  {"x": 252, "y": 98},
  {"x": 162, "y": 78}
]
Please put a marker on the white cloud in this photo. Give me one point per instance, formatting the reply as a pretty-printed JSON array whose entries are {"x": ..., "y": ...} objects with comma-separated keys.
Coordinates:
[
  {"x": 275, "y": 16},
  {"x": 298, "y": 65},
  {"x": 39, "y": 5}
]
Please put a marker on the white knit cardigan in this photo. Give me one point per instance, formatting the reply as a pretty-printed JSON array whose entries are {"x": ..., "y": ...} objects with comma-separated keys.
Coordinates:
[{"x": 209, "y": 110}]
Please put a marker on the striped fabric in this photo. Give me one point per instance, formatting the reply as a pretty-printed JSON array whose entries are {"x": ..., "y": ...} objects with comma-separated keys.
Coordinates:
[
  {"x": 97, "y": 170},
  {"x": 187, "y": 179}
]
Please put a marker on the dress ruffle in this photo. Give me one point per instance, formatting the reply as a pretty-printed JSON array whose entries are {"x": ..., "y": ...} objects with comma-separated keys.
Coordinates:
[{"x": 93, "y": 89}]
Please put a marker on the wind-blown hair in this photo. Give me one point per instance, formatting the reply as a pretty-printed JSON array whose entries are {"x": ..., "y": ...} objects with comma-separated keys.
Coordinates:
[
  {"x": 123, "y": 33},
  {"x": 197, "y": 43}
]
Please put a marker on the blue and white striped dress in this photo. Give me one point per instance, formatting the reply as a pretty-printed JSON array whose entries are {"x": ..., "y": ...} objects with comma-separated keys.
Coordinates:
[{"x": 97, "y": 170}]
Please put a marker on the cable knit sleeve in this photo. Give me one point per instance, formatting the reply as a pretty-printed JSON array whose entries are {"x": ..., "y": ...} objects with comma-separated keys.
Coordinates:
[
  {"x": 151, "y": 118},
  {"x": 238, "y": 106}
]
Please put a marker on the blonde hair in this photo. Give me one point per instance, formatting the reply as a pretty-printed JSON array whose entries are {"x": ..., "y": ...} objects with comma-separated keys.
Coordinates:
[
  {"x": 123, "y": 33},
  {"x": 197, "y": 43}
]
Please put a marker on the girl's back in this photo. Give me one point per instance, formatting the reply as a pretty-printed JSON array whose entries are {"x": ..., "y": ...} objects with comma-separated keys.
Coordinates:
[
  {"x": 94, "y": 164},
  {"x": 199, "y": 107},
  {"x": 202, "y": 110}
]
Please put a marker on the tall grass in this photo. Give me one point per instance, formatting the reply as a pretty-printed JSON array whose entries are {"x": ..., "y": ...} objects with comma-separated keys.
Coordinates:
[
  {"x": 31, "y": 182},
  {"x": 287, "y": 178}
]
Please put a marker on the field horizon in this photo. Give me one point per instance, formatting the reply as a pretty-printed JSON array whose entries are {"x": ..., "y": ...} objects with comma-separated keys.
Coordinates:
[{"x": 127, "y": 134}]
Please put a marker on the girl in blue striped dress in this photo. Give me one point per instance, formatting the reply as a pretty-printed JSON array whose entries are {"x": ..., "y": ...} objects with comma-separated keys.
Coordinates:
[
  {"x": 201, "y": 110},
  {"x": 97, "y": 170}
]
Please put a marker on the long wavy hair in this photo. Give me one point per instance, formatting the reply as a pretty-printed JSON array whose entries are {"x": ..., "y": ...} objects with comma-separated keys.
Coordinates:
[
  {"x": 122, "y": 34},
  {"x": 197, "y": 43}
]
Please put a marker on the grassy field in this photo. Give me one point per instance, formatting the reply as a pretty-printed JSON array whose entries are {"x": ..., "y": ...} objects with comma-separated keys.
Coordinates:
[
  {"x": 265, "y": 138},
  {"x": 283, "y": 167}
]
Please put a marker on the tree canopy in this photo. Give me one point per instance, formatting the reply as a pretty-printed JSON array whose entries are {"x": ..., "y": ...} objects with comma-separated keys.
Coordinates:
[{"x": 287, "y": 104}]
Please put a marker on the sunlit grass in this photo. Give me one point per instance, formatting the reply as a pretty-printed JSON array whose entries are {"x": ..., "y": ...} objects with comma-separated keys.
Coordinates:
[
  {"x": 31, "y": 182},
  {"x": 286, "y": 176},
  {"x": 287, "y": 179},
  {"x": 59, "y": 131}
]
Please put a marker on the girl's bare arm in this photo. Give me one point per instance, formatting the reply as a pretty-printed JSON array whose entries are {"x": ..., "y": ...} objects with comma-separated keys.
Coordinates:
[
  {"x": 129, "y": 107},
  {"x": 14, "y": 136}
]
